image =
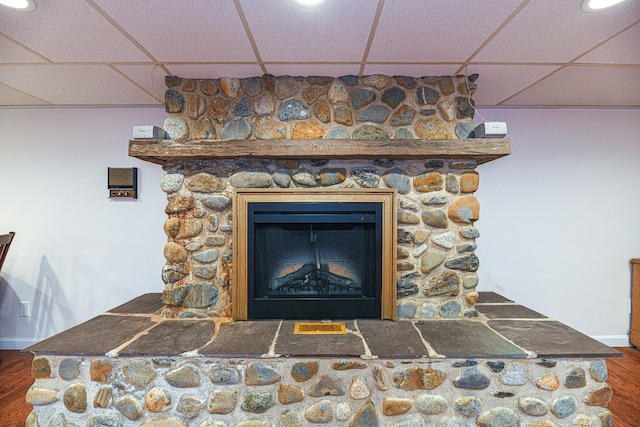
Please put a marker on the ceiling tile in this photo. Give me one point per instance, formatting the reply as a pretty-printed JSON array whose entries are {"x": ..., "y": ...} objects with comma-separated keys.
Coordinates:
[
  {"x": 147, "y": 76},
  {"x": 623, "y": 49},
  {"x": 207, "y": 39},
  {"x": 414, "y": 70},
  {"x": 556, "y": 31},
  {"x": 12, "y": 53},
  {"x": 331, "y": 70},
  {"x": 74, "y": 84},
  {"x": 69, "y": 31},
  {"x": 10, "y": 96},
  {"x": 212, "y": 71},
  {"x": 189, "y": 30},
  {"x": 436, "y": 31},
  {"x": 584, "y": 86},
  {"x": 498, "y": 82},
  {"x": 336, "y": 31}
]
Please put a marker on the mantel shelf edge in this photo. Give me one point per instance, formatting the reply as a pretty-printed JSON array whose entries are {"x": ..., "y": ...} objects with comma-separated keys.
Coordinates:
[{"x": 163, "y": 152}]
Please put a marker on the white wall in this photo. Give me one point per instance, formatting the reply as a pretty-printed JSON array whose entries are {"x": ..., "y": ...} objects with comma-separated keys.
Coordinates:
[
  {"x": 76, "y": 253},
  {"x": 558, "y": 217}
]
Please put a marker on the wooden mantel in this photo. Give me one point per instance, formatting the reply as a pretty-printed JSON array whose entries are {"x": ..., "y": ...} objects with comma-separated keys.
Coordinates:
[{"x": 162, "y": 152}]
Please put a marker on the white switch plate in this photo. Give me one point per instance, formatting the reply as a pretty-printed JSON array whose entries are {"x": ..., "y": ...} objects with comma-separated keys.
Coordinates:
[{"x": 24, "y": 309}]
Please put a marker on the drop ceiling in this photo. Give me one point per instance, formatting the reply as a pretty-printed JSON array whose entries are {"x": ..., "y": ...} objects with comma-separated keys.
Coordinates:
[{"x": 529, "y": 53}]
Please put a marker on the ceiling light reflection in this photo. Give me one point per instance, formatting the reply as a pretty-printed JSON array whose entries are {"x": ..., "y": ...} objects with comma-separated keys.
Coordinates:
[
  {"x": 21, "y": 5},
  {"x": 596, "y": 5}
]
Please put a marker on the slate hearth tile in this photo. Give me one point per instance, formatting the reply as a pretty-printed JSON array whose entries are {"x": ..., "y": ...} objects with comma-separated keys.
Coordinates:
[
  {"x": 242, "y": 339},
  {"x": 93, "y": 337},
  {"x": 551, "y": 339},
  {"x": 491, "y": 297},
  {"x": 144, "y": 304},
  {"x": 467, "y": 339},
  {"x": 171, "y": 338},
  {"x": 392, "y": 339},
  {"x": 508, "y": 311},
  {"x": 289, "y": 344}
]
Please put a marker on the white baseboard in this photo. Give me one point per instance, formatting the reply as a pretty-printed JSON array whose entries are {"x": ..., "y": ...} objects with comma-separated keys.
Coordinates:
[
  {"x": 613, "y": 340},
  {"x": 17, "y": 343}
]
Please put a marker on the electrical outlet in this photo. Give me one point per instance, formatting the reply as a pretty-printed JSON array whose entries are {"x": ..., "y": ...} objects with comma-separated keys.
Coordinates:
[{"x": 24, "y": 309}]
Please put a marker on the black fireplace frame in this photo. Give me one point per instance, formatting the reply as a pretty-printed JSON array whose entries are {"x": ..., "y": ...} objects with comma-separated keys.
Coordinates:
[{"x": 320, "y": 214}]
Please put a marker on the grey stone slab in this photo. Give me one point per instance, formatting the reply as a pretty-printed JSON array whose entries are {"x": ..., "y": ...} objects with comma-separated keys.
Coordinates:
[
  {"x": 509, "y": 337},
  {"x": 242, "y": 339},
  {"x": 290, "y": 344},
  {"x": 551, "y": 339},
  {"x": 508, "y": 311},
  {"x": 389, "y": 339},
  {"x": 144, "y": 304},
  {"x": 467, "y": 339},
  {"x": 171, "y": 338},
  {"x": 491, "y": 297},
  {"x": 93, "y": 337}
]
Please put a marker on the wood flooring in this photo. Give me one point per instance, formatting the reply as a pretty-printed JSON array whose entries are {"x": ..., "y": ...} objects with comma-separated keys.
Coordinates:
[
  {"x": 624, "y": 378},
  {"x": 15, "y": 380}
]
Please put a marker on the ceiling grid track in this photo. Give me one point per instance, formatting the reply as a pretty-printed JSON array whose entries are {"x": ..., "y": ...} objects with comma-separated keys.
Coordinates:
[
  {"x": 493, "y": 35},
  {"x": 122, "y": 31},
  {"x": 572, "y": 63},
  {"x": 252, "y": 40},
  {"x": 33, "y": 52},
  {"x": 604, "y": 41},
  {"x": 124, "y": 76},
  {"x": 372, "y": 33}
]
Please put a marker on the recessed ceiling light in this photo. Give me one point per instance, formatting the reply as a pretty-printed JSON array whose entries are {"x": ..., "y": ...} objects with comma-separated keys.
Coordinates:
[
  {"x": 309, "y": 3},
  {"x": 596, "y": 5},
  {"x": 21, "y": 5}
]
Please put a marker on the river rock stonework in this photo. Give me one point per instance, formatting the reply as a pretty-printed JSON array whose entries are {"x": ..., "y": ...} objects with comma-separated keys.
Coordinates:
[
  {"x": 436, "y": 207},
  {"x": 271, "y": 392},
  {"x": 270, "y": 107},
  {"x": 436, "y": 237}
]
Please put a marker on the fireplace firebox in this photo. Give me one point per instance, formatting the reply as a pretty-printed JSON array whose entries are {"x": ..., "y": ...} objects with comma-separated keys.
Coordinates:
[
  {"x": 314, "y": 260},
  {"x": 311, "y": 254}
]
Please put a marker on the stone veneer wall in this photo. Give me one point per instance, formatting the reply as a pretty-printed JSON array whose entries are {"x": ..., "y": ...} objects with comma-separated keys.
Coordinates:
[
  {"x": 436, "y": 260},
  {"x": 369, "y": 107},
  {"x": 436, "y": 238},
  {"x": 208, "y": 392}
]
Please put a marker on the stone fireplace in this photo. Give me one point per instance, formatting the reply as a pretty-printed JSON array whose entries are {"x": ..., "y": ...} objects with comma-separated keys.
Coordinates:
[
  {"x": 348, "y": 191},
  {"x": 345, "y": 137}
]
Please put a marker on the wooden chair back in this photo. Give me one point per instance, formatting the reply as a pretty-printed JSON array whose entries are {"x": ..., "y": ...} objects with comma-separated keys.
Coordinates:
[{"x": 5, "y": 242}]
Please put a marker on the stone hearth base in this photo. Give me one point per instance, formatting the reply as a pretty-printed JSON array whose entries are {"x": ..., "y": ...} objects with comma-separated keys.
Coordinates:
[{"x": 511, "y": 367}]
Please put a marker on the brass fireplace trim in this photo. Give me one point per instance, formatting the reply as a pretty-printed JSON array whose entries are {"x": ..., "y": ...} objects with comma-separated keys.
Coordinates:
[{"x": 241, "y": 200}]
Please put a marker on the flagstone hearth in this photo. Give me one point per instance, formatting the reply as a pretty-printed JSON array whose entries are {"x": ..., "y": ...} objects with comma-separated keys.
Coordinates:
[{"x": 130, "y": 366}]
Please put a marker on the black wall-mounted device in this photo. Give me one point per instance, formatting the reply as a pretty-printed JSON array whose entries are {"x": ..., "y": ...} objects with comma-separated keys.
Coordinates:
[{"x": 122, "y": 183}]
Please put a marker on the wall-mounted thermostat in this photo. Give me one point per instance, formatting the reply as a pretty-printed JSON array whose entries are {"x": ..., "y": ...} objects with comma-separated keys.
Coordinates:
[{"x": 123, "y": 183}]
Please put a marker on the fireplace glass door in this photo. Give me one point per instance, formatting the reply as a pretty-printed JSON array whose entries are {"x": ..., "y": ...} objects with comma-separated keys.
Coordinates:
[{"x": 314, "y": 260}]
